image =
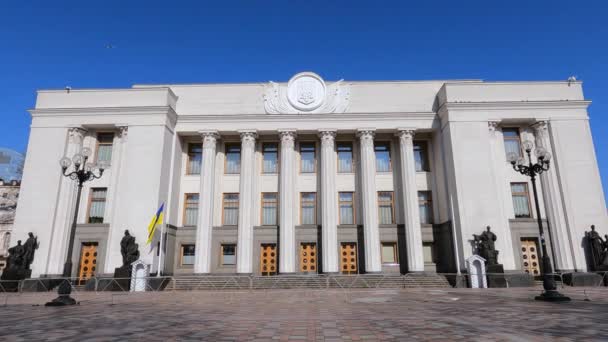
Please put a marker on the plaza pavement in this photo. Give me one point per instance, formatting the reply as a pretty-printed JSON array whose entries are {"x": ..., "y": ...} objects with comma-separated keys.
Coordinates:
[{"x": 312, "y": 315}]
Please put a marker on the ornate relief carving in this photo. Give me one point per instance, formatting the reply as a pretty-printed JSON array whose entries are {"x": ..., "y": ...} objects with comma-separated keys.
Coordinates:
[
  {"x": 306, "y": 92},
  {"x": 209, "y": 138},
  {"x": 123, "y": 131},
  {"x": 248, "y": 138},
  {"x": 327, "y": 138},
  {"x": 493, "y": 125},
  {"x": 366, "y": 137},
  {"x": 287, "y": 138},
  {"x": 76, "y": 134}
]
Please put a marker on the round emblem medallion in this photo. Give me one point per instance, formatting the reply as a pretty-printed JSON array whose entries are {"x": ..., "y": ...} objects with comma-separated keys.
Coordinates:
[{"x": 306, "y": 91}]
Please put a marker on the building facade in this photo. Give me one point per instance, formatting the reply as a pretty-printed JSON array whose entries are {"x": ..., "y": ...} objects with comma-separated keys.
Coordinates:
[
  {"x": 9, "y": 195},
  {"x": 310, "y": 176}
]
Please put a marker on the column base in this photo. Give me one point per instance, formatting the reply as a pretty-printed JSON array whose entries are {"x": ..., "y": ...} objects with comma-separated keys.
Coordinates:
[
  {"x": 552, "y": 296},
  {"x": 62, "y": 300}
]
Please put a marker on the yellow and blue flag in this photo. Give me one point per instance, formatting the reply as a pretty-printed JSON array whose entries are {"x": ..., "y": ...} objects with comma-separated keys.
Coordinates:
[{"x": 156, "y": 220}]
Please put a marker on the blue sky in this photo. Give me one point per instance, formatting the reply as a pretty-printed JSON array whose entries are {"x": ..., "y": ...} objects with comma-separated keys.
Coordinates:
[{"x": 51, "y": 44}]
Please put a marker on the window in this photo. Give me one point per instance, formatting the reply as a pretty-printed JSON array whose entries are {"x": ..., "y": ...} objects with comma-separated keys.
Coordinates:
[
  {"x": 104, "y": 147},
  {"x": 195, "y": 158},
  {"x": 421, "y": 156},
  {"x": 385, "y": 207},
  {"x": 389, "y": 253},
  {"x": 347, "y": 211},
  {"x": 426, "y": 208},
  {"x": 97, "y": 205},
  {"x": 308, "y": 208},
  {"x": 233, "y": 158},
  {"x": 271, "y": 158},
  {"x": 383, "y": 157},
  {"x": 307, "y": 157},
  {"x": 512, "y": 140},
  {"x": 228, "y": 254},
  {"x": 428, "y": 252},
  {"x": 521, "y": 203},
  {"x": 345, "y": 157},
  {"x": 269, "y": 208},
  {"x": 191, "y": 210},
  {"x": 231, "y": 209},
  {"x": 187, "y": 255}
]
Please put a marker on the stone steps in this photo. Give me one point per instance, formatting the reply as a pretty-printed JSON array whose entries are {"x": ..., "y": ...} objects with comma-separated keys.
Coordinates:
[{"x": 308, "y": 282}]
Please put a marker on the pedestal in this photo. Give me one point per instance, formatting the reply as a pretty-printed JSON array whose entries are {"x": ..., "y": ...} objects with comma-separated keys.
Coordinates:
[
  {"x": 122, "y": 281},
  {"x": 11, "y": 278},
  {"x": 496, "y": 276}
]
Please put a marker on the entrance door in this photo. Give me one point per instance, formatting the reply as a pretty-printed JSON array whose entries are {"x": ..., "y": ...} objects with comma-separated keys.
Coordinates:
[
  {"x": 268, "y": 259},
  {"x": 308, "y": 257},
  {"x": 529, "y": 254},
  {"x": 348, "y": 257},
  {"x": 88, "y": 262}
]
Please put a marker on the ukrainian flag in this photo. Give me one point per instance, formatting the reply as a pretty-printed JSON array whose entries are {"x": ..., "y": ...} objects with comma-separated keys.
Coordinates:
[{"x": 156, "y": 220}]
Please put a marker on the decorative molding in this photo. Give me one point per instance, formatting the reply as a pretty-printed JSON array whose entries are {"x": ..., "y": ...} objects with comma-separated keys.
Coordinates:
[
  {"x": 209, "y": 138},
  {"x": 366, "y": 136},
  {"x": 288, "y": 138},
  {"x": 406, "y": 134},
  {"x": 327, "y": 137},
  {"x": 248, "y": 138},
  {"x": 123, "y": 131},
  {"x": 493, "y": 125},
  {"x": 306, "y": 92}
]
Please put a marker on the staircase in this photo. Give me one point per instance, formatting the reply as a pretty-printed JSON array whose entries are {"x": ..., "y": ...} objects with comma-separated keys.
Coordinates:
[{"x": 361, "y": 281}]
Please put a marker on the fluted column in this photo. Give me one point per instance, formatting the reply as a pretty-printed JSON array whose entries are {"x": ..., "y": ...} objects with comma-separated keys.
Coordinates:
[
  {"x": 554, "y": 208},
  {"x": 65, "y": 208},
  {"x": 371, "y": 234},
  {"x": 204, "y": 231},
  {"x": 413, "y": 232},
  {"x": 287, "y": 240},
  {"x": 244, "y": 244},
  {"x": 329, "y": 202}
]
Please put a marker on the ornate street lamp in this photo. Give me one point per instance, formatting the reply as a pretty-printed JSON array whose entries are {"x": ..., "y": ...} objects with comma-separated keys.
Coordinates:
[
  {"x": 82, "y": 173},
  {"x": 532, "y": 170}
]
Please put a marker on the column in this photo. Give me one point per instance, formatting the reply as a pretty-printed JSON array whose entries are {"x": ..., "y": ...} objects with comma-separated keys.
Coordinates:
[
  {"x": 65, "y": 208},
  {"x": 287, "y": 239},
  {"x": 329, "y": 202},
  {"x": 204, "y": 231},
  {"x": 369, "y": 197},
  {"x": 244, "y": 244},
  {"x": 557, "y": 227},
  {"x": 413, "y": 233}
]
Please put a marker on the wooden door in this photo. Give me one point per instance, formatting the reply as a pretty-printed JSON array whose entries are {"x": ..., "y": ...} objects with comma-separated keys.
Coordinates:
[
  {"x": 308, "y": 257},
  {"x": 88, "y": 262},
  {"x": 348, "y": 258},
  {"x": 530, "y": 257},
  {"x": 268, "y": 259}
]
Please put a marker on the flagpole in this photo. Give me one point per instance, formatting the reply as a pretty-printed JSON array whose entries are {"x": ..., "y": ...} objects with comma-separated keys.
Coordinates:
[{"x": 160, "y": 248}]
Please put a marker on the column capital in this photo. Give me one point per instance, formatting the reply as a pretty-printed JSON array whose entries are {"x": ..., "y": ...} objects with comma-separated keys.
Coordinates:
[
  {"x": 493, "y": 125},
  {"x": 366, "y": 133},
  {"x": 77, "y": 131},
  {"x": 288, "y": 137},
  {"x": 406, "y": 133},
  {"x": 123, "y": 131},
  {"x": 248, "y": 137},
  {"x": 210, "y": 137},
  {"x": 541, "y": 126},
  {"x": 327, "y": 136}
]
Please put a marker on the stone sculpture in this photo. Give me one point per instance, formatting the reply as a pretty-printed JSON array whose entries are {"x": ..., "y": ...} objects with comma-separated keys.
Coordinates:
[
  {"x": 485, "y": 247},
  {"x": 129, "y": 249},
  {"x": 18, "y": 263},
  {"x": 598, "y": 250}
]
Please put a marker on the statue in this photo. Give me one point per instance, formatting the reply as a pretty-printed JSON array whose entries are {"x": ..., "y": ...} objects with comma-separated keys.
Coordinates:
[
  {"x": 485, "y": 247},
  {"x": 598, "y": 249},
  {"x": 129, "y": 249},
  {"x": 30, "y": 247},
  {"x": 15, "y": 257}
]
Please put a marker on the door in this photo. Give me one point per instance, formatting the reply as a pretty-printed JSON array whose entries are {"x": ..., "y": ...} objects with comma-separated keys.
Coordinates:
[
  {"x": 348, "y": 258},
  {"x": 308, "y": 257},
  {"x": 268, "y": 259},
  {"x": 88, "y": 262},
  {"x": 529, "y": 255}
]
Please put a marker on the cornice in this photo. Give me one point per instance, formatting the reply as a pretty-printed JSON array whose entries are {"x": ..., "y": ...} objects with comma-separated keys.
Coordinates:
[
  {"x": 506, "y": 105},
  {"x": 300, "y": 117},
  {"x": 139, "y": 110}
]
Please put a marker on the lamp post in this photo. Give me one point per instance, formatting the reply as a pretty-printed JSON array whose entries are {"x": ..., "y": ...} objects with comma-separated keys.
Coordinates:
[
  {"x": 532, "y": 170},
  {"x": 82, "y": 173}
]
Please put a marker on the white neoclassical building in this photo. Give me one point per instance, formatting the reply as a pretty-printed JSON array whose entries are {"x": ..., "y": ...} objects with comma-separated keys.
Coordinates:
[{"x": 311, "y": 176}]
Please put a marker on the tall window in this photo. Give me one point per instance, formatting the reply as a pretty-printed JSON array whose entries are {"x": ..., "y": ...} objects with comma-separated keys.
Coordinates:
[
  {"x": 228, "y": 254},
  {"x": 347, "y": 208},
  {"x": 231, "y": 209},
  {"x": 385, "y": 207},
  {"x": 308, "y": 203},
  {"x": 269, "y": 208},
  {"x": 191, "y": 210},
  {"x": 195, "y": 157},
  {"x": 187, "y": 255},
  {"x": 307, "y": 157},
  {"x": 421, "y": 156},
  {"x": 233, "y": 158},
  {"x": 345, "y": 157},
  {"x": 97, "y": 205},
  {"x": 512, "y": 140},
  {"x": 270, "y": 153},
  {"x": 104, "y": 147},
  {"x": 389, "y": 253},
  {"x": 426, "y": 207},
  {"x": 521, "y": 203},
  {"x": 383, "y": 157}
]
